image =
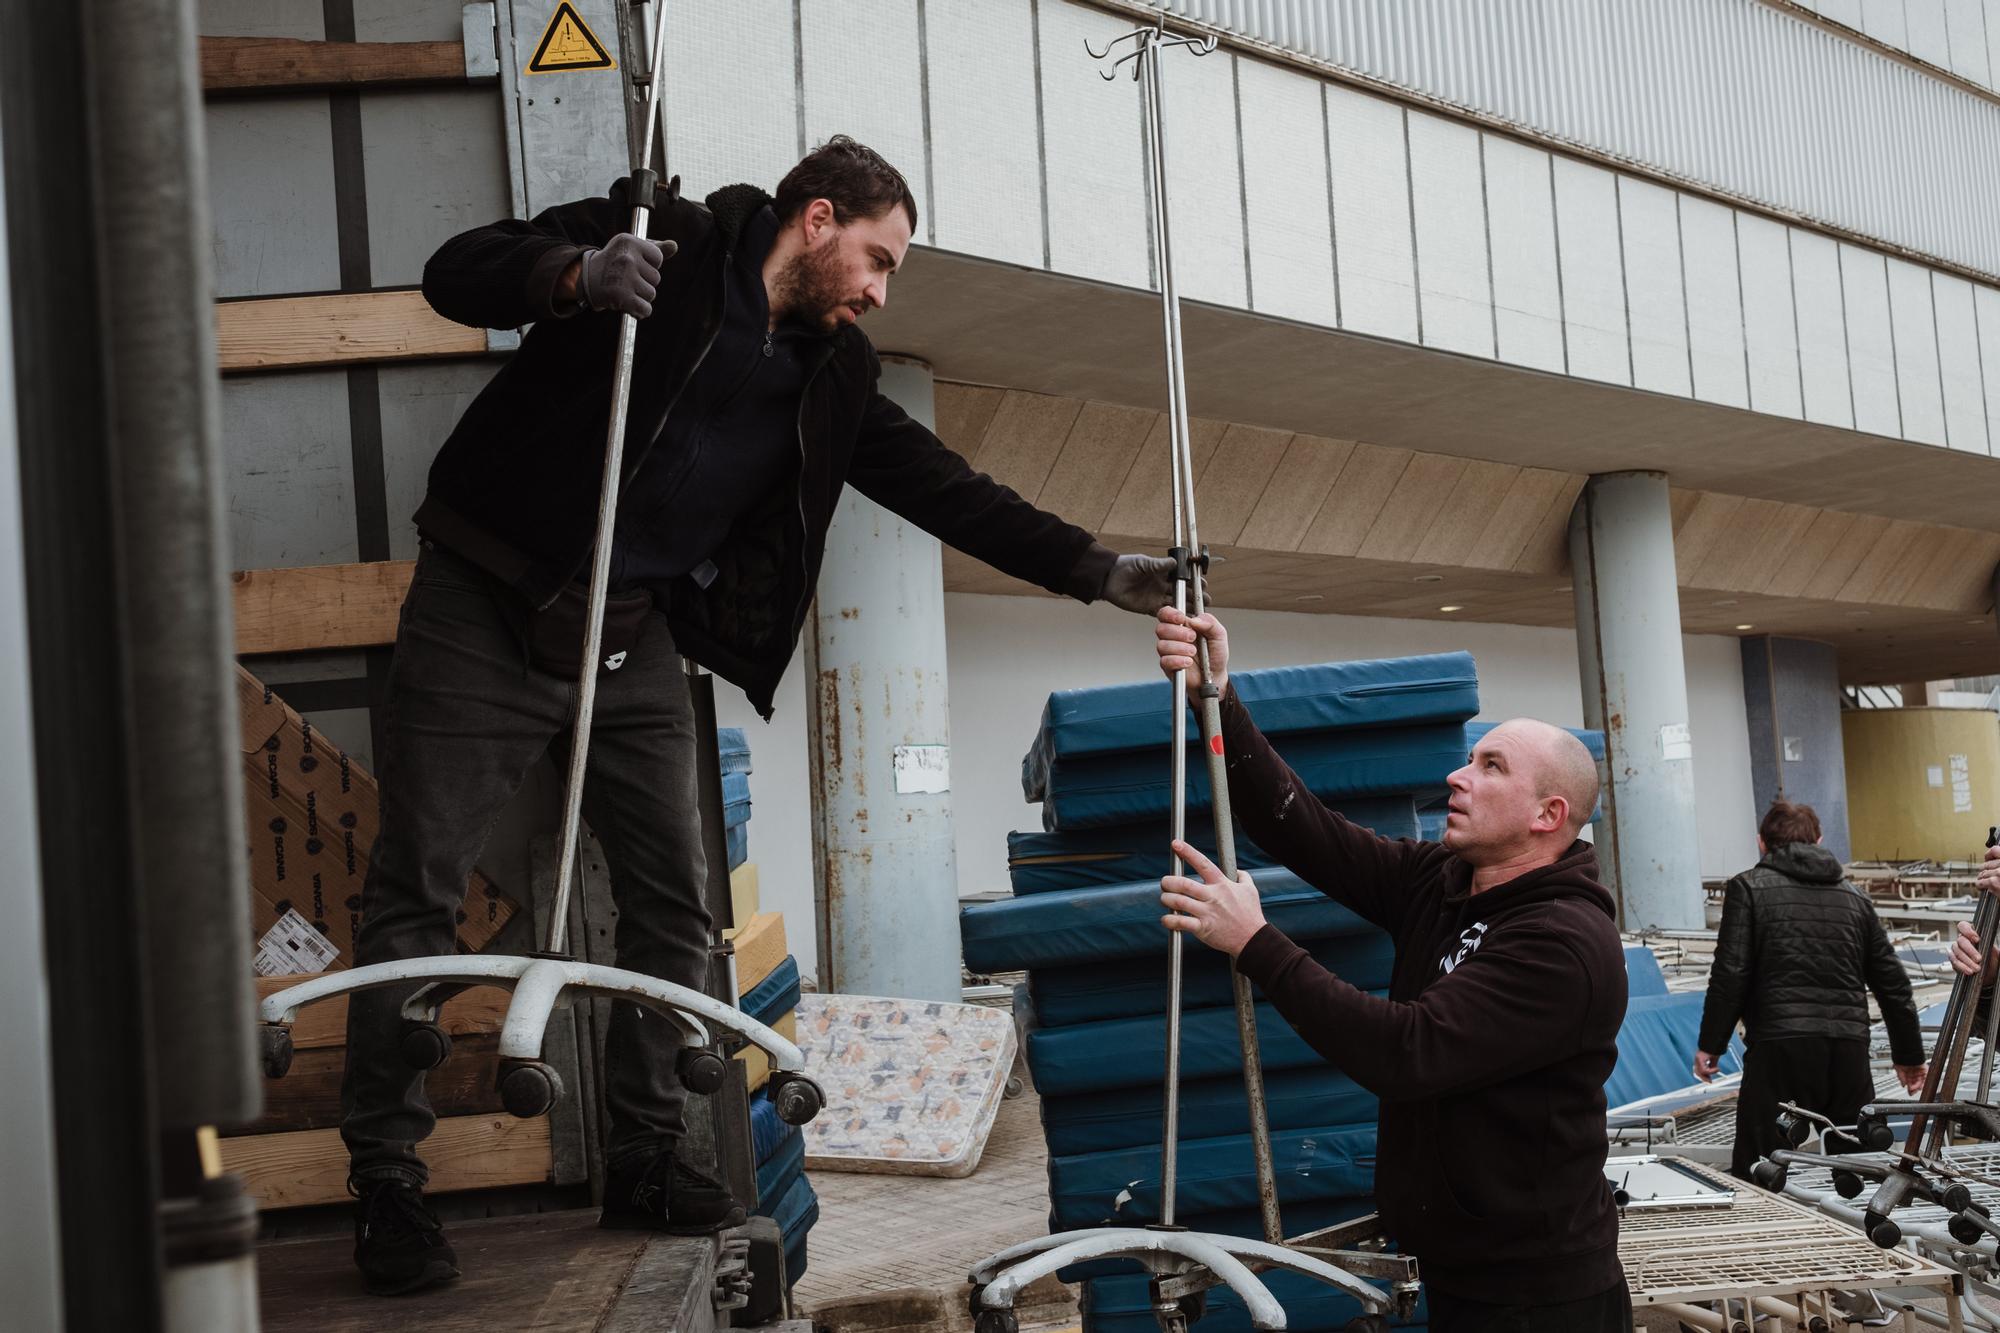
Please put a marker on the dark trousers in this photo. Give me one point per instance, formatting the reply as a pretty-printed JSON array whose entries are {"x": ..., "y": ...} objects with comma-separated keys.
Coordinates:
[
  {"x": 1606, "y": 1312},
  {"x": 467, "y": 717},
  {"x": 1819, "y": 1073}
]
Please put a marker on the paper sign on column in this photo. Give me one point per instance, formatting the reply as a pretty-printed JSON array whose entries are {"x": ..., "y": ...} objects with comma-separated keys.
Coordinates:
[
  {"x": 1675, "y": 742},
  {"x": 922, "y": 769},
  {"x": 292, "y": 946}
]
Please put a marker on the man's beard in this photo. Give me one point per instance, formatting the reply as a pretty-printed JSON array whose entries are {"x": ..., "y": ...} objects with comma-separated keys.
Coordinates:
[{"x": 809, "y": 289}]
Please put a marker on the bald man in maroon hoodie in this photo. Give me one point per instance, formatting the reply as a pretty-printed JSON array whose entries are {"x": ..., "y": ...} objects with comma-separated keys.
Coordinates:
[{"x": 1501, "y": 1024}]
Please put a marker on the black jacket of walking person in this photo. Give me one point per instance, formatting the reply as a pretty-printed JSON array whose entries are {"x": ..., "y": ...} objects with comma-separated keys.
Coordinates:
[{"x": 1797, "y": 954}]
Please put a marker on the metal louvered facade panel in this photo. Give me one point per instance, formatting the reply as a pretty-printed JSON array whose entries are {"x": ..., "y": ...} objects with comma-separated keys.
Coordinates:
[{"x": 1732, "y": 95}]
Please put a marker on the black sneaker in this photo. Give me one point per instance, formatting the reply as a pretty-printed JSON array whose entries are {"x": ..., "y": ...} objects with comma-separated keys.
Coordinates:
[
  {"x": 664, "y": 1193},
  {"x": 399, "y": 1245}
]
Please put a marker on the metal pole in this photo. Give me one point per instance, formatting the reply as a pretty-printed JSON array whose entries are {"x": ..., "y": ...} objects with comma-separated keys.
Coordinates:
[
  {"x": 607, "y": 517},
  {"x": 1188, "y": 594}
]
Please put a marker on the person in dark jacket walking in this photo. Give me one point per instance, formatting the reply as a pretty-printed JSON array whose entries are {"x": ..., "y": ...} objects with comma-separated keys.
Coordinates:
[
  {"x": 1798, "y": 951},
  {"x": 1490, "y": 1052},
  {"x": 754, "y": 403}
]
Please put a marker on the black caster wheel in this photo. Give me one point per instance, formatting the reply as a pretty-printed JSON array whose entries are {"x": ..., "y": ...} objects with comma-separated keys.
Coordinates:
[
  {"x": 425, "y": 1045},
  {"x": 528, "y": 1088},
  {"x": 1768, "y": 1175},
  {"x": 1793, "y": 1130},
  {"x": 1846, "y": 1184},
  {"x": 996, "y": 1321},
  {"x": 1838, "y": 1142},
  {"x": 1964, "y": 1230},
  {"x": 798, "y": 1099},
  {"x": 1875, "y": 1133},
  {"x": 701, "y": 1070},
  {"x": 1956, "y": 1198},
  {"x": 1886, "y": 1234},
  {"x": 274, "y": 1049}
]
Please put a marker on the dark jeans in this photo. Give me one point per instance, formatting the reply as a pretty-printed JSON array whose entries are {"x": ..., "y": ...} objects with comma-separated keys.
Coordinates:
[
  {"x": 466, "y": 719},
  {"x": 1606, "y": 1312},
  {"x": 1819, "y": 1073}
]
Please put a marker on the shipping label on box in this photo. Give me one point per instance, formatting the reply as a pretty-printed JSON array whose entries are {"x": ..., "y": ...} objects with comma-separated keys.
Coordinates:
[
  {"x": 293, "y": 946},
  {"x": 311, "y": 814}
]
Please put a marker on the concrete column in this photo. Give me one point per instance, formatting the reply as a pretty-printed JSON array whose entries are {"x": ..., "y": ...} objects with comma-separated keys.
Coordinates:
[
  {"x": 1628, "y": 643},
  {"x": 885, "y": 868},
  {"x": 1791, "y": 700}
]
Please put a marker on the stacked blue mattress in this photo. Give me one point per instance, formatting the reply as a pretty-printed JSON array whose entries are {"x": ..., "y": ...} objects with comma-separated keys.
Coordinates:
[
  {"x": 1370, "y": 739},
  {"x": 783, "y": 1192},
  {"x": 735, "y": 754}
]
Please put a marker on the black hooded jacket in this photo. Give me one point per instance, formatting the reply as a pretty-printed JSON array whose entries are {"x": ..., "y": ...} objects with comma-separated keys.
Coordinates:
[
  {"x": 1797, "y": 953},
  {"x": 1489, "y": 1054},
  {"x": 515, "y": 486}
]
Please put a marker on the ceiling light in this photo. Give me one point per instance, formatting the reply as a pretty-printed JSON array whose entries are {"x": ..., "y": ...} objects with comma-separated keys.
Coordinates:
[
  {"x": 1727, "y": 601},
  {"x": 1451, "y": 608},
  {"x": 1977, "y": 620},
  {"x": 1567, "y": 587},
  {"x": 1746, "y": 627},
  {"x": 1428, "y": 578},
  {"x": 1310, "y": 597},
  {"x": 1860, "y": 613},
  {"x": 1965, "y": 643}
]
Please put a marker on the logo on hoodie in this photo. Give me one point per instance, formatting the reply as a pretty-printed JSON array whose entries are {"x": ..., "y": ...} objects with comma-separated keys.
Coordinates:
[{"x": 1468, "y": 944}]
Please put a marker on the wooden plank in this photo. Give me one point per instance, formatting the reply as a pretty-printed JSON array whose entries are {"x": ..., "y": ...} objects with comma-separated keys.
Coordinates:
[
  {"x": 290, "y": 332},
  {"x": 1712, "y": 517},
  {"x": 1145, "y": 503},
  {"x": 1519, "y": 517},
  {"x": 1355, "y": 499},
  {"x": 479, "y": 1010},
  {"x": 308, "y": 1096},
  {"x": 963, "y": 412},
  {"x": 319, "y": 606},
  {"x": 1026, "y": 435},
  {"x": 1873, "y": 570},
  {"x": 1098, "y": 456},
  {"x": 1399, "y": 527},
  {"x": 1243, "y": 465},
  {"x": 258, "y": 64},
  {"x": 1547, "y": 551},
  {"x": 1797, "y": 564},
  {"x": 760, "y": 947},
  {"x": 1460, "y": 521},
  {"x": 1737, "y": 554},
  {"x": 1283, "y": 513},
  {"x": 309, "y": 1166},
  {"x": 1857, "y": 539}
]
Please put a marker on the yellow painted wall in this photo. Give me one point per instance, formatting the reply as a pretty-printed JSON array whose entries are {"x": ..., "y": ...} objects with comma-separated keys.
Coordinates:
[{"x": 1921, "y": 782}]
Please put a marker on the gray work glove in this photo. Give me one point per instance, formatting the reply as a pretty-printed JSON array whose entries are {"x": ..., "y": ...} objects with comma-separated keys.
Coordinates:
[
  {"x": 623, "y": 276},
  {"x": 1140, "y": 583}
]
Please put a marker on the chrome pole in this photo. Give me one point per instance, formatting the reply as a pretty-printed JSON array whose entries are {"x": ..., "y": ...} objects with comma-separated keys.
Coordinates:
[{"x": 607, "y": 516}]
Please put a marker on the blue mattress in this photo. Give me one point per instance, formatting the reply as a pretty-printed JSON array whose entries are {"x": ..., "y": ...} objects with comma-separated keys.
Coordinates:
[
  {"x": 1090, "y": 925},
  {"x": 1122, "y": 1187},
  {"x": 1132, "y": 1052},
  {"x": 1087, "y": 992},
  {"x": 1120, "y": 854},
  {"x": 775, "y": 1176},
  {"x": 776, "y": 995},
  {"x": 1656, "y": 1047},
  {"x": 767, "y": 1132},
  {"x": 1642, "y": 973},
  {"x": 1121, "y": 1304},
  {"x": 735, "y": 799},
  {"x": 795, "y": 1212},
  {"x": 1135, "y": 787},
  {"x": 1213, "y": 1108},
  {"x": 734, "y": 749},
  {"x": 1329, "y": 696},
  {"x": 737, "y": 839}
]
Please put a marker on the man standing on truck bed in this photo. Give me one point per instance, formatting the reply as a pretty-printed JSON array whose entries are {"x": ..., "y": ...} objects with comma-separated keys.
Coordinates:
[{"x": 754, "y": 401}]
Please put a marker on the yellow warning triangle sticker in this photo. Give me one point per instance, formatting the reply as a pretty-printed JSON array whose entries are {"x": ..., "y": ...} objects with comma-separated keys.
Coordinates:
[{"x": 569, "y": 44}]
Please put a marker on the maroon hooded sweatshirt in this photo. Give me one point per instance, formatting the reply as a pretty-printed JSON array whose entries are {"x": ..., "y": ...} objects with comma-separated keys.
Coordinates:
[{"x": 1489, "y": 1054}]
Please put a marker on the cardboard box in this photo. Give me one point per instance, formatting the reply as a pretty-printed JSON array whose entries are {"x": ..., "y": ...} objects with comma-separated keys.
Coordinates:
[{"x": 311, "y": 815}]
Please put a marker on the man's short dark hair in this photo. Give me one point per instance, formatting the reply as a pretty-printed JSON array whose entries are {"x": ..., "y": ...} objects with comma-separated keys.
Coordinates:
[
  {"x": 1788, "y": 822},
  {"x": 854, "y": 178}
]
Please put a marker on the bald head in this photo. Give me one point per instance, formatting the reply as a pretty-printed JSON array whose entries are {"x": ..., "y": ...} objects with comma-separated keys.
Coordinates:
[{"x": 1562, "y": 767}]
